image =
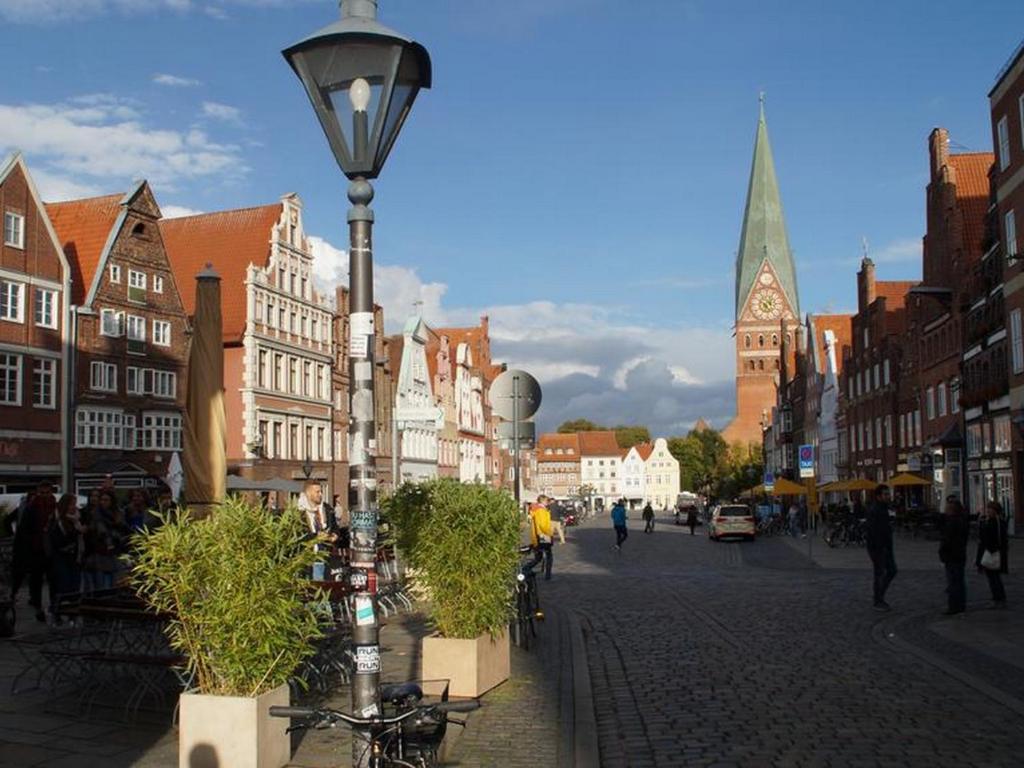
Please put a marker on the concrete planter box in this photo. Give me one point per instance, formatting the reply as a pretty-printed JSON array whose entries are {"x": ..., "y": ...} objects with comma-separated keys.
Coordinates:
[
  {"x": 472, "y": 666},
  {"x": 222, "y": 731}
]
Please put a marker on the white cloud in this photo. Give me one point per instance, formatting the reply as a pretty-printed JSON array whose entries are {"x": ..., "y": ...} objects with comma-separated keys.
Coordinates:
[
  {"x": 55, "y": 188},
  {"x": 224, "y": 112},
  {"x": 100, "y": 140},
  {"x": 593, "y": 361},
  {"x": 175, "y": 81},
  {"x": 178, "y": 211},
  {"x": 903, "y": 249}
]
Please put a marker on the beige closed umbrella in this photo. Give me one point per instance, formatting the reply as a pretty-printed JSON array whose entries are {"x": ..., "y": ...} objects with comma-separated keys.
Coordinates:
[{"x": 205, "y": 449}]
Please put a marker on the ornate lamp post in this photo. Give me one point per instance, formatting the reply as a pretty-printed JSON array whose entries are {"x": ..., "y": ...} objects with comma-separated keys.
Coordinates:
[{"x": 362, "y": 79}]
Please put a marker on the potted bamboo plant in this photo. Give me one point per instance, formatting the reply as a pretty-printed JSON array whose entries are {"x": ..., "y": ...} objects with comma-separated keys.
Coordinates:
[
  {"x": 232, "y": 585},
  {"x": 460, "y": 543}
]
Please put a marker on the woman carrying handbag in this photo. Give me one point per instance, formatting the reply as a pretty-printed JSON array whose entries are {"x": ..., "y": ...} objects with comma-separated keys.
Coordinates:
[{"x": 992, "y": 551}]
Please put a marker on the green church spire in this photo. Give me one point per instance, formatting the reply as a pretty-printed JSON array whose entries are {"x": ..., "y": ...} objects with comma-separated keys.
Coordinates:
[{"x": 764, "y": 228}]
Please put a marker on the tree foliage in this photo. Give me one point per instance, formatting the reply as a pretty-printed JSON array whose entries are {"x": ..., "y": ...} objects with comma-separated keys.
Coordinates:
[
  {"x": 461, "y": 542},
  {"x": 233, "y": 586},
  {"x": 629, "y": 435},
  {"x": 578, "y": 425},
  {"x": 710, "y": 466}
]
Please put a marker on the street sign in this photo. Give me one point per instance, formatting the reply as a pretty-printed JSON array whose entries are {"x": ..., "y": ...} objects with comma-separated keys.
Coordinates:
[
  {"x": 769, "y": 482},
  {"x": 504, "y": 391},
  {"x": 806, "y": 456},
  {"x": 430, "y": 415}
]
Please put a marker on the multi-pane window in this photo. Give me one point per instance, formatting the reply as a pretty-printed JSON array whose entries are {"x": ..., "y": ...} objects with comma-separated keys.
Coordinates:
[
  {"x": 261, "y": 368},
  {"x": 158, "y": 284},
  {"x": 11, "y": 300},
  {"x": 111, "y": 322},
  {"x": 1016, "y": 342},
  {"x": 136, "y": 279},
  {"x": 954, "y": 396},
  {"x": 929, "y": 402},
  {"x": 307, "y": 379},
  {"x": 151, "y": 381},
  {"x": 46, "y": 308},
  {"x": 136, "y": 328},
  {"x": 10, "y": 379},
  {"x": 115, "y": 273},
  {"x": 44, "y": 383},
  {"x": 103, "y": 377},
  {"x": 162, "y": 333},
  {"x": 293, "y": 376},
  {"x": 279, "y": 372},
  {"x": 878, "y": 431},
  {"x": 973, "y": 441},
  {"x": 917, "y": 427},
  {"x": 1010, "y": 232},
  {"x": 1003, "y": 136},
  {"x": 161, "y": 431},
  {"x": 942, "y": 399},
  {"x": 885, "y": 372},
  {"x": 14, "y": 229},
  {"x": 100, "y": 428},
  {"x": 1001, "y": 434},
  {"x": 903, "y": 430},
  {"x": 875, "y": 372}
]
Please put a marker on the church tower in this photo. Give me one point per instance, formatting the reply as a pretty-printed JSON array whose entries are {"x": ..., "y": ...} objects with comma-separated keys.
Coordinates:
[{"x": 766, "y": 296}]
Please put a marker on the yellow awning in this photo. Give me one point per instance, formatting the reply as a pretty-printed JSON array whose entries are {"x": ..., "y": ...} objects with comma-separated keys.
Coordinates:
[{"x": 908, "y": 479}]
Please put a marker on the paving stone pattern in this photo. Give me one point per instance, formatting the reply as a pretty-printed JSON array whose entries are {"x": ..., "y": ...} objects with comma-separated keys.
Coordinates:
[{"x": 746, "y": 654}]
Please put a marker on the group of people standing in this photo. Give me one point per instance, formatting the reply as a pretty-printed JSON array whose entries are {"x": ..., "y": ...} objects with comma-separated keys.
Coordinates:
[
  {"x": 990, "y": 557},
  {"x": 74, "y": 549}
]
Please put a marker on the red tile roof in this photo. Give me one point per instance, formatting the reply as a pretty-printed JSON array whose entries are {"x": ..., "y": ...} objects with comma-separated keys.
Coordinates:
[
  {"x": 842, "y": 327},
  {"x": 601, "y": 443},
  {"x": 972, "y": 196},
  {"x": 554, "y": 441},
  {"x": 83, "y": 228},
  {"x": 230, "y": 241},
  {"x": 644, "y": 449}
]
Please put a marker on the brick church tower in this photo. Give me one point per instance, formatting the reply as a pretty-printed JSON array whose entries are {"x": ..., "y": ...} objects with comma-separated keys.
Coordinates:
[{"x": 767, "y": 303}]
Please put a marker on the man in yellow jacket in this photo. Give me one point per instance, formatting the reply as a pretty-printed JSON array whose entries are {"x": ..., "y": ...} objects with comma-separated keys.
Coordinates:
[{"x": 540, "y": 534}]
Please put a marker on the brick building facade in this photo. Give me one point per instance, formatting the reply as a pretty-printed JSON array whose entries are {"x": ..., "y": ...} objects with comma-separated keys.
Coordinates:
[
  {"x": 34, "y": 288},
  {"x": 1006, "y": 103},
  {"x": 129, "y": 333},
  {"x": 278, "y": 341}
]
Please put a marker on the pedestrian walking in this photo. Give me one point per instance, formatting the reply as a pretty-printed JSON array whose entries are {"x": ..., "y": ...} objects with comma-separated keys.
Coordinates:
[
  {"x": 104, "y": 534},
  {"x": 953, "y": 554},
  {"x": 993, "y": 548},
  {"x": 648, "y": 515},
  {"x": 541, "y": 535},
  {"x": 319, "y": 522},
  {"x": 691, "y": 518},
  {"x": 880, "y": 545},
  {"x": 619, "y": 523},
  {"x": 794, "y": 520}
]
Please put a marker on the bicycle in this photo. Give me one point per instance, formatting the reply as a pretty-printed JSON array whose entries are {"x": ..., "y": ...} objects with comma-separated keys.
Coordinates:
[
  {"x": 409, "y": 739},
  {"x": 527, "y": 603}
]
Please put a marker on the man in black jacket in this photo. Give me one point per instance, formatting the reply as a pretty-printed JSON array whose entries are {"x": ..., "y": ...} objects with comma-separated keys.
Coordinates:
[
  {"x": 879, "y": 541},
  {"x": 953, "y": 554}
]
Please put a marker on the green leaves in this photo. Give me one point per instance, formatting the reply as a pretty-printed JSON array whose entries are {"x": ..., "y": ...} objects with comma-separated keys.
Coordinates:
[
  {"x": 461, "y": 543},
  {"x": 234, "y": 583}
]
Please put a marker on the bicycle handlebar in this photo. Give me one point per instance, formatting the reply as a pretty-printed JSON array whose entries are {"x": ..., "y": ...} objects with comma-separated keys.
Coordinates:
[{"x": 307, "y": 713}]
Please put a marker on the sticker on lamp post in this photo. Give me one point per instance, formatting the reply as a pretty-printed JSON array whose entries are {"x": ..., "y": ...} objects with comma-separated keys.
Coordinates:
[
  {"x": 367, "y": 659},
  {"x": 364, "y": 611}
]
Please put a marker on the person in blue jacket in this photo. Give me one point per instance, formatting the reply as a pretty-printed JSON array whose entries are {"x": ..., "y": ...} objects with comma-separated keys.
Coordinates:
[{"x": 619, "y": 522}]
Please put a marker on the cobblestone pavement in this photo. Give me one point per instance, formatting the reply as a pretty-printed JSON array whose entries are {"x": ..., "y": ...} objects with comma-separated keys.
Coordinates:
[{"x": 749, "y": 654}]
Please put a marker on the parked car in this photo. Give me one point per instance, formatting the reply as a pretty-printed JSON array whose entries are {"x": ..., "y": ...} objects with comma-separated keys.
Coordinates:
[{"x": 732, "y": 520}]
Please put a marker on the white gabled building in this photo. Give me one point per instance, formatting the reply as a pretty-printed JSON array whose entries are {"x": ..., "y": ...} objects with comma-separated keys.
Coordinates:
[
  {"x": 601, "y": 467},
  {"x": 469, "y": 405},
  {"x": 661, "y": 476},
  {"x": 634, "y": 474},
  {"x": 417, "y": 415}
]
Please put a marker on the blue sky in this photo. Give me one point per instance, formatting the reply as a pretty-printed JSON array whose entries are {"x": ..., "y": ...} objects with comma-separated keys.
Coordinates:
[{"x": 577, "y": 172}]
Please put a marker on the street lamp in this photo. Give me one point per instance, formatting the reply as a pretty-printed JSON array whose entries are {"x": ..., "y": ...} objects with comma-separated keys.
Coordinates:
[
  {"x": 361, "y": 79},
  {"x": 307, "y": 468}
]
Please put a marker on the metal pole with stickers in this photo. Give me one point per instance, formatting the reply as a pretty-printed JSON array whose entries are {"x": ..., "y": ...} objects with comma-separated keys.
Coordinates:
[{"x": 361, "y": 79}]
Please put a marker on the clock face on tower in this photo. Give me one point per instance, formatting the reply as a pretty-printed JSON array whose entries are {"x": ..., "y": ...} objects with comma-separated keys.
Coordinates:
[{"x": 767, "y": 304}]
